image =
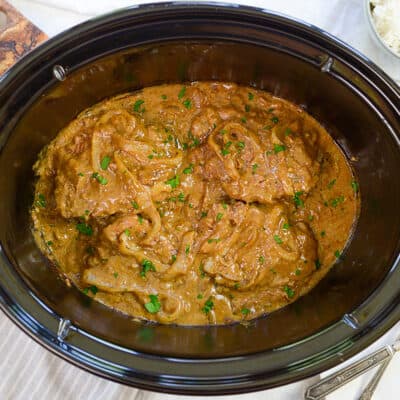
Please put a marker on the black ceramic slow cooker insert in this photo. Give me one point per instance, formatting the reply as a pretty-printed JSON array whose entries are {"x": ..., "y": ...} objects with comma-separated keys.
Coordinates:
[{"x": 180, "y": 42}]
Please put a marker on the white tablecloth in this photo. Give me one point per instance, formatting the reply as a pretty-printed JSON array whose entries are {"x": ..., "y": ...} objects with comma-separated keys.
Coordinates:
[{"x": 30, "y": 372}]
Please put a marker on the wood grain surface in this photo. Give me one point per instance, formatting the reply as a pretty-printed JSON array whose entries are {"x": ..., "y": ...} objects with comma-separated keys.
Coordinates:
[{"x": 18, "y": 36}]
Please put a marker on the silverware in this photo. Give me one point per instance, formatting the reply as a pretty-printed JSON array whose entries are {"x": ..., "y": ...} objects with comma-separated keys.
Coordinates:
[
  {"x": 335, "y": 381},
  {"x": 369, "y": 390}
]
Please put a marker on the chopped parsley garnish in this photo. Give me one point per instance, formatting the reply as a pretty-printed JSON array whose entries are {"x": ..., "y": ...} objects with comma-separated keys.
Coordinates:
[
  {"x": 181, "y": 197},
  {"x": 286, "y": 226},
  {"x": 243, "y": 119},
  {"x": 203, "y": 214},
  {"x": 90, "y": 250},
  {"x": 49, "y": 243},
  {"x": 331, "y": 183},
  {"x": 202, "y": 273},
  {"x": 240, "y": 145},
  {"x": 335, "y": 202},
  {"x": 188, "y": 170},
  {"x": 154, "y": 305},
  {"x": 182, "y": 92},
  {"x": 288, "y": 132},
  {"x": 247, "y": 108},
  {"x": 224, "y": 206},
  {"x": 164, "y": 96},
  {"x": 219, "y": 216},
  {"x": 140, "y": 218},
  {"x": 222, "y": 131},
  {"x": 101, "y": 179},
  {"x": 105, "y": 162},
  {"x": 212, "y": 240},
  {"x": 137, "y": 105},
  {"x": 188, "y": 104},
  {"x": 173, "y": 182},
  {"x": 298, "y": 202},
  {"x": 251, "y": 96},
  {"x": 337, "y": 254},
  {"x": 267, "y": 127},
  {"x": 275, "y": 119},
  {"x": 270, "y": 110},
  {"x": 150, "y": 156},
  {"x": 80, "y": 174},
  {"x": 354, "y": 186},
  {"x": 173, "y": 258},
  {"x": 254, "y": 168},
  {"x": 41, "y": 201},
  {"x": 147, "y": 266},
  {"x": 115, "y": 275},
  {"x": 317, "y": 264},
  {"x": 323, "y": 233},
  {"x": 127, "y": 232},
  {"x": 311, "y": 217},
  {"x": 261, "y": 259},
  {"x": 278, "y": 148},
  {"x": 245, "y": 311},
  {"x": 187, "y": 249},
  {"x": 208, "y": 306},
  {"x": 135, "y": 205},
  {"x": 289, "y": 291},
  {"x": 200, "y": 296},
  {"x": 277, "y": 239},
  {"x": 225, "y": 149},
  {"x": 236, "y": 286},
  {"x": 84, "y": 228},
  {"x": 298, "y": 271},
  {"x": 92, "y": 289}
]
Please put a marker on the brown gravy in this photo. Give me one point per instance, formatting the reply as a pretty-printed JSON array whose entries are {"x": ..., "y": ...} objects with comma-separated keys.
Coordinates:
[{"x": 200, "y": 204}]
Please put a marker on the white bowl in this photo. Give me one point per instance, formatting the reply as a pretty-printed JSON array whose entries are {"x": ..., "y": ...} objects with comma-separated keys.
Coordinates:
[{"x": 374, "y": 33}]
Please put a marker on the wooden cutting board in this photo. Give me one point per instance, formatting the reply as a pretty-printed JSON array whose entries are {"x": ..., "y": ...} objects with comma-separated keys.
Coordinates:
[{"x": 18, "y": 36}]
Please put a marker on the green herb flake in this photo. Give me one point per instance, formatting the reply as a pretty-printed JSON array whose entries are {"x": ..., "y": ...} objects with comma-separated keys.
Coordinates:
[
  {"x": 245, "y": 311},
  {"x": 41, "y": 200},
  {"x": 311, "y": 217},
  {"x": 182, "y": 92},
  {"x": 140, "y": 218},
  {"x": 84, "y": 228},
  {"x": 92, "y": 289},
  {"x": 286, "y": 226},
  {"x": 247, "y": 108},
  {"x": 289, "y": 291},
  {"x": 270, "y": 110},
  {"x": 288, "y": 132},
  {"x": 338, "y": 200},
  {"x": 323, "y": 233},
  {"x": 275, "y": 119},
  {"x": 298, "y": 202},
  {"x": 225, "y": 150},
  {"x": 224, "y": 206},
  {"x": 188, "y": 170},
  {"x": 203, "y": 214},
  {"x": 150, "y": 156},
  {"x": 243, "y": 120},
  {"x": 101, "y": 179},
  {"x": 173, "y": 258},
  {"x": 181, "y": 197},
  {"x": 261, "y": 259},
  {"x": 354, "y": 186},
  {"x": 164, "y": 96},
  {"x": 147, "y": 266},
  {"x": 213, "y": 240},
  {"x": 49, "y": 243},
  {"x": 337, "y": 254},
  {"x": 80, "y": 174},
  {"x": 127, "y": 232},
  {"x": 278, "y": 148},
  {"x": 317, "y": 264},
  {"x": 298, "y": 271},
  {"x": 277, "y": 239},
  {"x": 219, "y": 216},
  {"x": 236, "y": 286},
  {"x": 267, "y": 127},
  {"x": 331, "y": 184},
  {"x": 254, "y": 168},
  {"x": 240, "y": 145},
  {"x": 208, "y": 306},
  {"x": 187, "y": 249},
  {"x": 154, "y": 305},
  {"x": 137, "y": 105},
  {"x": 115, "y": 275},
  {"x": 201, "y": 271},
  {"x": 200, "y": 296},
  {"x": 90, "y": 250},
  {"x": 251, "y": 96},
  {"x": 105, "y": 162},
  {"x": 173, "y": 182},
  {"x": 135, "y": 205},
  {"x": 188, "y": 104}
]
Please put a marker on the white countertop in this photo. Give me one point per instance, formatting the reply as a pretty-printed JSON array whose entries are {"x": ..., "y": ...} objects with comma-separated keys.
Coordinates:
[{"x": 28, "y": 371}]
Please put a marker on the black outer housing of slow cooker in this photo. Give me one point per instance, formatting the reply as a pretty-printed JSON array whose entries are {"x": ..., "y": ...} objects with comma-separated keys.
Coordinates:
[{"x": 180, "y": 42}]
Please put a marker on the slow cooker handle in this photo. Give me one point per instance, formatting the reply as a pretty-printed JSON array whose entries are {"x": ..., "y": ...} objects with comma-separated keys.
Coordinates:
[{"x": 18, "y": 36}]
